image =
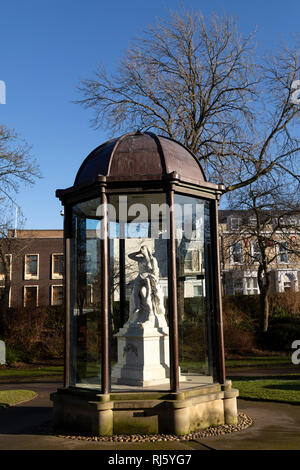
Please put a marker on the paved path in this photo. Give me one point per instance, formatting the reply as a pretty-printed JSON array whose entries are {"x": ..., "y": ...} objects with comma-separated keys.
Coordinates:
[{"x": 276, "y": 426}]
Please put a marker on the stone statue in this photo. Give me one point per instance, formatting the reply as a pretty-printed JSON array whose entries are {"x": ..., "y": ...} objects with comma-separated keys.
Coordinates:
[
  {"x": 146, "y": 302},
  {"x": 143, "y": 342}
]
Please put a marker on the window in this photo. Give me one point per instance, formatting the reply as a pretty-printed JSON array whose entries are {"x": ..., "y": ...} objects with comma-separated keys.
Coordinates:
[
  {"x": 234, "y": 223},
  {"x": 30, "y": 296},
  {"x": 238, "y": 286},
  {"x": 5, "y": 266},
  {"x": 292, "y": 221},
  {"x": 236, "y": 253},
  {"x": 283, "y": 255},
  {"x": 251, "y": 286},
  {"x": 198, "y": 291},
  {"x": 57, "y": 266},
  {"x": 31, "y": 268},
  {"x": 255, "y": 251},
  {"x": 164, "y": 290},
  {"x": 193, "y": 260},
  {"x": 188, "y": 261},
  {"x": 9, "y": 295},
  {"x": 57, "y": 295}
]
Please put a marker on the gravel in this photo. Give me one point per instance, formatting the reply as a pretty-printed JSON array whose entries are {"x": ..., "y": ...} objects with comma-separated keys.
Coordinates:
[{"x": 244, "y": 422}]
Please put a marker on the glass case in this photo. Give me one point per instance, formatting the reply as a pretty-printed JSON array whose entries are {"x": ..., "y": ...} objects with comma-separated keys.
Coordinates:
[{"x": 139, "y": 304}]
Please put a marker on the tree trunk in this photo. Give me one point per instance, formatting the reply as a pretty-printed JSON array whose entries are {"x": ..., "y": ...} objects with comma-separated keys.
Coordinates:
[
  {"x": 265, "y": 310},
  {"x": 263, "y": 277}
]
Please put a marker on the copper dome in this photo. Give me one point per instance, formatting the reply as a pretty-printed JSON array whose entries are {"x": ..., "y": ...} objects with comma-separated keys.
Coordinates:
[{"x": 138, "y": 155}]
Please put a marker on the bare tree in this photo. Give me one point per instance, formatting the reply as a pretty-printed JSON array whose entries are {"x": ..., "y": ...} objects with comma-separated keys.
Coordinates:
[
  {"x": 270, "y": 223},
  {"x": 17, "y": 167},
  {"x": 198, "y": 81}
]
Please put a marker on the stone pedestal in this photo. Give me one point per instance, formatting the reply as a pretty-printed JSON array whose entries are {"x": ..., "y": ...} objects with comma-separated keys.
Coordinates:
[
  {"x": 143, "y": 355},
  {"x": 86, "y": 411}
]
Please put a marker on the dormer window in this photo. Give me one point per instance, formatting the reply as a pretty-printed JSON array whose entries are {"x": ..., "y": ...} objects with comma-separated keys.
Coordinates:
[{"x": 235, "y": 223}]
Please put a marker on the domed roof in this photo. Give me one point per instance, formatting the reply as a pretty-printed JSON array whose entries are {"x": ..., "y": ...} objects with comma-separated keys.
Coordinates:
[{"x": 134, "y": 156}]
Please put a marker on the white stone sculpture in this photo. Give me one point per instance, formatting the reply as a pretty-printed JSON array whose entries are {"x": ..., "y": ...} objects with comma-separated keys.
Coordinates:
[
  {"x": 143, "y": 342},
  {"x": 146, "y": 302}
]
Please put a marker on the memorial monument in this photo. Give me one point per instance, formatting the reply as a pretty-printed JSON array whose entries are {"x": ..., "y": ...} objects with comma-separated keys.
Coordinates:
[{"x": 144, "y": 350}]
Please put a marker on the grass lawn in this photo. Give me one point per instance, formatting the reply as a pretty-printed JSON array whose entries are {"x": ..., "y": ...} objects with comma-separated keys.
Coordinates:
[
  {"x": 259, "y": 361},
  {"x": 285, "y": 389},
  {"x": 12, "y": 397},
  {"x": 44, "y": 371}
]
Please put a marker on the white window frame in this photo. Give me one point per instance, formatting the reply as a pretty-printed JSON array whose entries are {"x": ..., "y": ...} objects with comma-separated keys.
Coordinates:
[
  {"x": 37, "y": 294},
  {"x": 236, "y": 219},
  {"x": 282, "y": 253},
  {"x": 52, "y": 289},
  {"x": 28, "y": 276},
  {"x": 251, "y": 290},
  {"x": 231, "y": 253},
  {"x": 198, "y": 286},
  {"x": 253, "y": 252},
  {"x": 2, "y": 276},
  {"x": 53, "y": 274}
]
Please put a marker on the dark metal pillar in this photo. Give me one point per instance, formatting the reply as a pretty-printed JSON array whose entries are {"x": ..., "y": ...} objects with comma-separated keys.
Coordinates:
[
  {"x": 217, "y": 293},
  {"x": 67, "y": 292},
  {"x": 172, "y": 289},
  {"x": 104, "y": 293}
]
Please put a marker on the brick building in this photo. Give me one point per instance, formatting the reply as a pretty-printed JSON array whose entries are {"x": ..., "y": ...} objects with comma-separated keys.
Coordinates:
[{"x": 32, "y": 263}]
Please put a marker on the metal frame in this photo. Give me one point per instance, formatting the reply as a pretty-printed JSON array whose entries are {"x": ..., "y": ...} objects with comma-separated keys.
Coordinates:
[{"x": 170, "y": 184}]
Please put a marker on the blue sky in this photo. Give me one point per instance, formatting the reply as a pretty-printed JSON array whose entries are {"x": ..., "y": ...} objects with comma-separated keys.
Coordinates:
[{"x": 47, "y": 46}]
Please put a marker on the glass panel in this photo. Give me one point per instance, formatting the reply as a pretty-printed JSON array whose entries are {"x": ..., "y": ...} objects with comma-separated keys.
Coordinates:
[
  {"x": 139, "y": 292},
  {"x": 31, "y": 265},
  {"x": 57, "y": 295},
  {"x": 193, "y": 242},
  {"x": 86, "y": 311},
  {"x": 236, "y": 252},
  {"x": 58, "y": 265}
]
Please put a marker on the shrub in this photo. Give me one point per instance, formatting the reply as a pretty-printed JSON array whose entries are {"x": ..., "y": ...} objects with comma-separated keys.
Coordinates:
[
  {"x": 239, "y": 330},
  {"x": 281, "y": 333},
  {"x": 35, "y": 333},
  {"x": 13, "y": 356},
  {"x": 287, "y": 303},
  {"x": 241, "y": 322}
]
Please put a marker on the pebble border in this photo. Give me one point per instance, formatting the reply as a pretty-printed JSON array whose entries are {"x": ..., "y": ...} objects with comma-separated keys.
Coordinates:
[{"x": 244, "y": 421}]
